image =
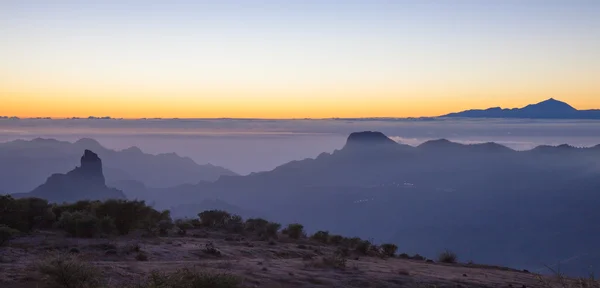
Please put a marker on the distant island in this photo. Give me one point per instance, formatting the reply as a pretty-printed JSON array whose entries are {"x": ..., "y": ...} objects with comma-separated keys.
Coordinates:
[{"x": 548, "y": 109}]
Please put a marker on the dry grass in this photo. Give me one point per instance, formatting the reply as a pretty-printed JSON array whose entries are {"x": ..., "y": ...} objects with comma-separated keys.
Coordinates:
[
  {"x": 68, "y": 271},
  {"x": 251, "y": 261}
]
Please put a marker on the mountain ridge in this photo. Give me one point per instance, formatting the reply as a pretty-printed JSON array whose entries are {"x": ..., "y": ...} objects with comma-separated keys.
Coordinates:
[
  {"x": 24, "y": 164},
  {"x": 85, "y": 182},
  {"x": 547, "y": 109}
]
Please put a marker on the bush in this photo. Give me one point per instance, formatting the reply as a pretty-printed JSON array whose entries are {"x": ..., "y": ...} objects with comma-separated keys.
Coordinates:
[
  {"x": 129, "y": 215},
  {"x": 295, "y": 230},
  {"x": 447, "y": 257},
  {"x": 321, "y": 236},
  {"x": 6, "y": 234},
  {"x": 214, "y": 218},
  {"x": 389, "y": 249},
  {"x": 363, "y": 247},
  {"x": 67, "y": 271},
  {"x": 351, "y": 242},
  {"x": 141, "y": 256},
  {"x": 164, "y": 226},
  {"x": 272, "y": 229},
  {"x": 335, "y": 261},
  {"x": 107, "y": 225},
  {"x": 183, "y": 226},
  {"x": 255, "y": 224},
  {"x": 418, "y": 257},
  {"x": 404, "y": 256},
  {"x": 235, "y": 224},
  {"x": 209, "y": 248},
  {"x": 79, "y": 224},
  {"x": 25, "y": 214},
  {"x": 187, "y": 278},
  {"x": 336, "y": 239}
]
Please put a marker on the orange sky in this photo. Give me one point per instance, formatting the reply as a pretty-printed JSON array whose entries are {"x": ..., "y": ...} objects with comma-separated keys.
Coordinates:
[{"x": 126, "y": 59}]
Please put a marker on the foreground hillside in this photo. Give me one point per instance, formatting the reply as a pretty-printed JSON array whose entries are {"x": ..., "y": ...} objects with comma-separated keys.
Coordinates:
[
  {"x": 118, "y": 243},
  {"x": 281, "y": 263}
]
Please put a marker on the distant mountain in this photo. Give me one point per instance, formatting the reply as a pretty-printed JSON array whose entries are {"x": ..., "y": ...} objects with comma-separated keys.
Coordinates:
[
  {"x": 26, "y": 164},
  {"x": 85, "y": 182},
  {"x": 487, "y": 202},
  {"x": 549, "y": 109}
]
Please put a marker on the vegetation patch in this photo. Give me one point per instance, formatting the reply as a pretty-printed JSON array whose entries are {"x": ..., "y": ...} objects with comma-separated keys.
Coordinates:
[
  {"x": 187, "y": 278},
  {"x": 68, "y": 271},
  {"x": 447, "y": 257}
]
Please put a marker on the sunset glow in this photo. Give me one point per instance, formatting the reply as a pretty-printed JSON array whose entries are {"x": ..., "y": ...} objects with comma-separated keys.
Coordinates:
[{"x": 294, "y": 59}]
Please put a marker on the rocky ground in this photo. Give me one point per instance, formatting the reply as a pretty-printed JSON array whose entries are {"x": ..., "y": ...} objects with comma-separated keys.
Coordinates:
[{"x": 128, "y": 260}]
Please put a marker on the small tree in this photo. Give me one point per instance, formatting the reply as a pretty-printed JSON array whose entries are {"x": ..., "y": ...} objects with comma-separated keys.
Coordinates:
[
  {"x": 235, "y": 224},
  {"x": 164, "y": 226},
  {"x": 272, "y": 228},
  {"x": 183, "y": 226},
  {"x": 256, "y": 225},
  {"x": 321, "y": 236},
  {"x": 336, "y": 239},
  {"x": 447, "y": 257},
  {"x": 79, "y": 224},
  {"x": 214, "y": 218},
  {"x": 389, "y": 249},
  {"x": 6, "y": 234},
  {"x": 295, "y": 230},
  {"x": 363, "y": 247}
]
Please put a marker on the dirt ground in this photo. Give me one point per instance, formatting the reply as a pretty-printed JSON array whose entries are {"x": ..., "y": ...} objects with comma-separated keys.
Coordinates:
[{"x": 281, "y": 263}]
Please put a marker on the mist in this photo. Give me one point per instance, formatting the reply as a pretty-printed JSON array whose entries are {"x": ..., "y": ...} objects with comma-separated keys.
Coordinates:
[{"x": 247, "y": 145}]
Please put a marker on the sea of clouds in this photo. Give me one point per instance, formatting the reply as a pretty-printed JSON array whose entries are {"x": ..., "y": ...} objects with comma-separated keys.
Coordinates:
[{"x": 250, "y": 145}]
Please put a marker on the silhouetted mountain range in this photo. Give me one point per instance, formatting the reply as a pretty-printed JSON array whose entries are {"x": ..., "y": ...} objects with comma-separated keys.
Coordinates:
[
  {"x": 85, "y": 182},
  {"x": 549, "y": 109},
  {"x": 26, "y": 164},
  {"x": 486, "y": 202}
]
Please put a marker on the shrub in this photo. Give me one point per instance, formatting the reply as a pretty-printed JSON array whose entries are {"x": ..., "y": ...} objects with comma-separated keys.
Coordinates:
[
  {"x": 6, "y": 234},
  {"x": 187, "y": 278},
  {"x": 255, "y": 224},
  {"x": 404, "y": 256},
  {"x": 129, "y": 215},
  {"x": 418, "y": 257},
  {"x": 295, "y": 230},
  {"x": 214, "y": 218},
  {"x": 141, "y": 256},
  {"x": 363, "y": 247},
  {"x": 351, "y": 242},
  {"x": 389, "y": 249},
  {"x": 447, "y": 257},
  {"x": 321, "y": 236},
  {"x": 164, "y": 226},
  {"x": 67, "y": 271},
  {"x": 335, "y": 261},
  {"x": 79, "y": 224},
  {"x": 343, "y": 251},
  {"x": 235, "y": 224},
  {"x": 25, "y": 214},
  {"x": 209, "y": 248},
  {"x": 336, "y": 239},
  {"x": 272, "y": 229},
  {"x": 183, "y": 226},
  {"x": 107, "y": 225}
]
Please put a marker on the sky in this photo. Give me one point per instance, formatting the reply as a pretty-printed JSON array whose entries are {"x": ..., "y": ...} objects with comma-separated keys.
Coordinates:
[{"x": 294, "y": 59}]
